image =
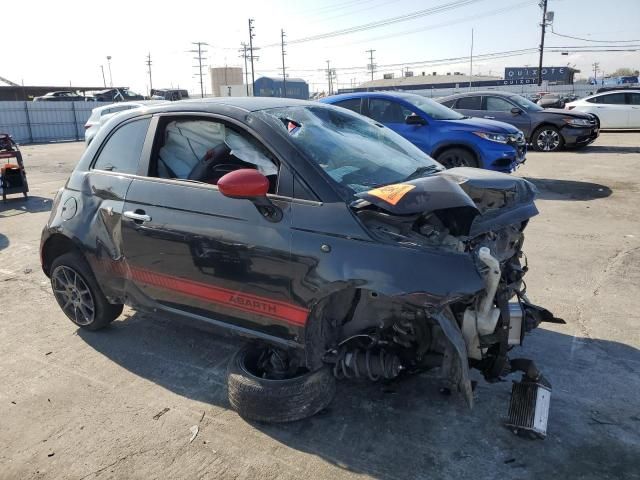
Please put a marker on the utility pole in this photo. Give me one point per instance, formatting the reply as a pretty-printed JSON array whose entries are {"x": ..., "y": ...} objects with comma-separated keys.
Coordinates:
[
  {"x": 110, "y": 76},
  {"x": 199, "y": 51},
  {"x": 104, "y": 81},
  {"x": 543, "y": 4},
  {"x": 329, "y": 75},
  {"x": 243, "y": 51},
  {"x": 595, "y": 66},
  {"x": 471, "y": 61},
  {"x": 148, "y": 63},
  {"x": 371, "y": 65},
  {"x": 284, "y": 72},
  {"x": 251, "y": 35}
]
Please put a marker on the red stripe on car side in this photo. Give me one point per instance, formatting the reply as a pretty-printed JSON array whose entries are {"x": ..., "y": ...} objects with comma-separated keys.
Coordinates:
[{"x": 241, "y": 301}]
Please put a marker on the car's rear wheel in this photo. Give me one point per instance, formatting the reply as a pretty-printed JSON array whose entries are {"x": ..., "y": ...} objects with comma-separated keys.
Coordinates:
[
  {"x": 78, "y": 294},
  {"x": 547, "y": 139},
  {"x": 457, "y": 157},
  {"x": 255, "y": 397}
]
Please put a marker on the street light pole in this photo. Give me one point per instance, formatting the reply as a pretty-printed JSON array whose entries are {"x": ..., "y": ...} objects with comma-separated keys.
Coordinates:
[
  {"x": 110, "y": 76},
  {"x": 104, "y": 82}
]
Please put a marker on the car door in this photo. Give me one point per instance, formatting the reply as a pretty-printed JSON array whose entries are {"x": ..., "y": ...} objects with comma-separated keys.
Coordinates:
[
  {"x": 192, "y": 251},
  {"x": 499, "y": 108},
  {"x": 392, "y": 114},
  {"x": 612, "y": 110},
  {"x": 633, "y": 99}
]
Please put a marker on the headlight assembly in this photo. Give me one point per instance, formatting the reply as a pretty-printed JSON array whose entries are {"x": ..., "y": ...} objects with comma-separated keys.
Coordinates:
[
  {"x": 494, "y": 137},
  {"x": 578, "y": 122}
]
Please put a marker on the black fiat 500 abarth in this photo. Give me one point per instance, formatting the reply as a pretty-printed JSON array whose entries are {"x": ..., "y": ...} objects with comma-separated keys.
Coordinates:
[{"x": 336, "y": 246}]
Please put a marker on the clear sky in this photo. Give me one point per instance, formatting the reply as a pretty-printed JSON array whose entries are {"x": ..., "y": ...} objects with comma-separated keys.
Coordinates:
[{"x": 55, "y": 43}]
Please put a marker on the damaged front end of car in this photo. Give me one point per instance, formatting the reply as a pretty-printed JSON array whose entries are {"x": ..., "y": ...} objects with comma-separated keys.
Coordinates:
[{"x": 470, "y": 212}]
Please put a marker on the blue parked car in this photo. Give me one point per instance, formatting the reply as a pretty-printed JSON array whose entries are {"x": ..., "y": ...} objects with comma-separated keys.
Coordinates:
[{"x": 449, "y": 137}]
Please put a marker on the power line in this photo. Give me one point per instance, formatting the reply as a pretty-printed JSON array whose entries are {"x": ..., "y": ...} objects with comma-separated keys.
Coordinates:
[
  {"x": 591, "y": 40},
  {"x": 388, "y": 21}
]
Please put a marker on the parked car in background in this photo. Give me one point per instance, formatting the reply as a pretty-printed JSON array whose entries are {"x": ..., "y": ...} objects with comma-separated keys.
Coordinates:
[
  {"x": 100, "y": 115},
  {"x": 114, "y": 95},
  {"x": 551, "y": 100},
  {"x": 171, "y": 94},
  {"x": 449, "y": 137},
  {"x": 546, "y": 130},
  {"x": 615, "y": 109},
  {"x": 60, "y": 96},
  {"x": 332, "y": 243}
]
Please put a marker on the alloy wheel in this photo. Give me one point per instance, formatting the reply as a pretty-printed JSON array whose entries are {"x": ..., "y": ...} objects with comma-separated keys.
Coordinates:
[
  {"x": 73, "y": 295},
  {"x": 548, "y": 140},
  {"x": 452, "y": 160}
]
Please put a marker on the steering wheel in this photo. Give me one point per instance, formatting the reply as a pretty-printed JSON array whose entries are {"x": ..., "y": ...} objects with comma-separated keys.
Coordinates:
[{"x": 201, "y": 170}]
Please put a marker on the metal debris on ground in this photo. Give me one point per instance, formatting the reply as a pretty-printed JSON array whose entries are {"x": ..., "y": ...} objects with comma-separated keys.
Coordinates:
[
  {"x": 160, "y": 413},
  {"x": 194, "y": 433}
]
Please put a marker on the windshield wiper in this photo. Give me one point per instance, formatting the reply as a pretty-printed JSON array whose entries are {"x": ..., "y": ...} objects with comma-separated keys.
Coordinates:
[{"x": 420, "y": 171}]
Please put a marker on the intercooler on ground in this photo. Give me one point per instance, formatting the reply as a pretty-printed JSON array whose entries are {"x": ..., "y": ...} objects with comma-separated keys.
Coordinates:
[{"x": 529, "y": 408}]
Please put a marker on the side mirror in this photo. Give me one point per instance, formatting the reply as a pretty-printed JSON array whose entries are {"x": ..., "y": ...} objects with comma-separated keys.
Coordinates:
[
  {"x": 516, "y": 111},
  {"x": 414, "y": 119},
  {"x": 251, "y": 185}
]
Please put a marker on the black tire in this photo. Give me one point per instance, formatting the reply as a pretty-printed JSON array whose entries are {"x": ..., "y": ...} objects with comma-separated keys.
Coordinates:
[
  {"x": 276, "y": 401},
  {"x": 547, "y": 138},
  {"x": 457, "y": 157},
  {"x": 86, "y": 292}
]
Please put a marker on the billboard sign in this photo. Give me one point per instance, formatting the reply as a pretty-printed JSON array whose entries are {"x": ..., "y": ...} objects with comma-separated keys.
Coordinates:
[{"x": 527, "y": 75}]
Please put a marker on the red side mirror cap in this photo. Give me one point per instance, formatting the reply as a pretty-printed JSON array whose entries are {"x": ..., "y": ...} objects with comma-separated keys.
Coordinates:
[{"x": 244, "y": 183}]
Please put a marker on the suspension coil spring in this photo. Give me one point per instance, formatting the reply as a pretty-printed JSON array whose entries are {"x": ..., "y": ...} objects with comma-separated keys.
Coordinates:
[{"x": 374, "y": 365}]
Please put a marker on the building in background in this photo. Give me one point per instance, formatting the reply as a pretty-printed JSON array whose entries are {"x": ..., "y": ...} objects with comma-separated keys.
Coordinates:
[
  {"x": 227, "y": 82},
  {"x": 273, "y": 87}
]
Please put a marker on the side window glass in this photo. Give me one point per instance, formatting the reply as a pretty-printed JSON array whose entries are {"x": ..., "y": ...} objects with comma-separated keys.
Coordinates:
[
  {"x": 206, "y": 150},
  {"x": 121, "y": 151},
  {"x": 449, "y": 103},
  {"x": 634, "y": 98},
  {"x": 613, "y": 99},
  {"x": 353, "y": 104},
  {"x": 470, "y": 103},
  {"x": 497, "y": 104},
  {"x": 385, "y": 111}
]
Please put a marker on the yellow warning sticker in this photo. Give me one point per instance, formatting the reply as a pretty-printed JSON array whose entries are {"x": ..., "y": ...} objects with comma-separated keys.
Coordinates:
[{"x": 392, "y": 193}]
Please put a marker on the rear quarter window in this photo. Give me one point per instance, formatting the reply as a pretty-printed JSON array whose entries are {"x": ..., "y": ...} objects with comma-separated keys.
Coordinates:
[{"x": 121, "y": 151}]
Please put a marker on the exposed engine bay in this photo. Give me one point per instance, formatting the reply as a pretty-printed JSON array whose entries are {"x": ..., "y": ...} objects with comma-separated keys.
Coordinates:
[{"x": 384, "y": 337}]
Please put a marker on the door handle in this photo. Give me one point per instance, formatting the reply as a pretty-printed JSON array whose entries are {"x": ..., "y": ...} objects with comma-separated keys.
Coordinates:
[
  {"x": 138, "y": 216},
  {"x": 488, "y": 116}
]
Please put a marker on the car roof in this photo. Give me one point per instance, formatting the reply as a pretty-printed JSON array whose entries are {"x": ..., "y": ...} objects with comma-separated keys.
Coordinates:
[
  {"x": 498, "y": 93},
  {"x": 378, "y": 93},
  {"x": 249, "y": 104},
  {"x": 622, "y": 90}
]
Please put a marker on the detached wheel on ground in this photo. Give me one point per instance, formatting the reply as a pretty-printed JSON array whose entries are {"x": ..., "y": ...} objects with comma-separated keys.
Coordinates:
[
  {"x": 547, "y": 139},
  {"x": 78, "y": 294},
  {"x": 457, "y": 157},
  {"x": 275, "y": 400}
]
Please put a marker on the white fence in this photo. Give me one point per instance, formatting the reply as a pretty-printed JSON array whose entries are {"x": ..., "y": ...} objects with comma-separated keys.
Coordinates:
[{"x": 34, "y": 122}]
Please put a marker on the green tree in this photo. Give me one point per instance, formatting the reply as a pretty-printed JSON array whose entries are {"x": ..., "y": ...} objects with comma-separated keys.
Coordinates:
[{"x": 624, "y": 72}]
